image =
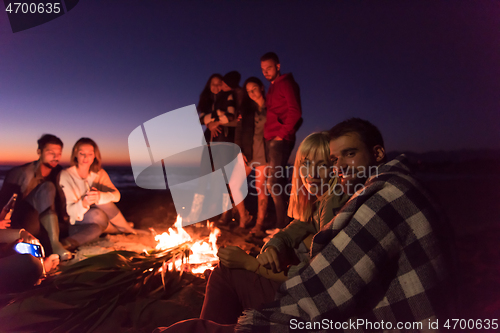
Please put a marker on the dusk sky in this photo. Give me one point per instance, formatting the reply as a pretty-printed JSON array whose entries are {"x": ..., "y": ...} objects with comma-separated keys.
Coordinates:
[{"x": 427, "y": 73}]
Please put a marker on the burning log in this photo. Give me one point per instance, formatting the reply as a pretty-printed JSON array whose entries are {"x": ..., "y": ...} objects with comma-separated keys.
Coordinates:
[{"x": 202, "y": 255}]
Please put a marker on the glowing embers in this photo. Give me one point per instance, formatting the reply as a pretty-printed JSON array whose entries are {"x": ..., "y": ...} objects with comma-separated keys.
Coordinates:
[{"x": 202, "y": 255}]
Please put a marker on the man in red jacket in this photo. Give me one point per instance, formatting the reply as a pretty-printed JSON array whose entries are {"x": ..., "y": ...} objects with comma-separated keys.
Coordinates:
[{"x": 283, "y": 117}]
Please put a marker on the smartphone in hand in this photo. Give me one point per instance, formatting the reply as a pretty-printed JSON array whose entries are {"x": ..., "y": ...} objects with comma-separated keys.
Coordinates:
[{"x": 27, "y": 248}]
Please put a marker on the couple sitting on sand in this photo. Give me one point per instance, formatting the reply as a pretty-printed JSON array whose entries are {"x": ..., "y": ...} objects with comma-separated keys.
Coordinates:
[
  {"x": 47, "y": 194},
  {"x": 371, "y": 249}
]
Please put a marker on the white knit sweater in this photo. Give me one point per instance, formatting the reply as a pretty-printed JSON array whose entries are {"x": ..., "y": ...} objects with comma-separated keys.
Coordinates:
[{"x": 74, "y": 189}]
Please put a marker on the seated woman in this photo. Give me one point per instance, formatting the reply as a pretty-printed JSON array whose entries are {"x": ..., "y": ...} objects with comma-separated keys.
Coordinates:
[
  {"x": 243, "y": 281},
  {"x": 90, "y": 197}
]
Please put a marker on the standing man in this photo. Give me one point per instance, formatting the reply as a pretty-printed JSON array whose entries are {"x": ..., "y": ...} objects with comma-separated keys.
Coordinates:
[
  {"x": 35, "y": 185},
  {"x": 283, "y": 117}
]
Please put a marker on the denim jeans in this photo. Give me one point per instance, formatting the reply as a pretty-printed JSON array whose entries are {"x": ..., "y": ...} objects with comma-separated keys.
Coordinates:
[
  {"x": 230, "y": 291},
  {"x": 94, "y": 222},
  {"x": 278, "y": 153}
]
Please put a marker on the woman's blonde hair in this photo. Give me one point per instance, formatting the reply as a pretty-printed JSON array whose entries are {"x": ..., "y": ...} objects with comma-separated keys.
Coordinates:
[
  {"x": 301, "y": 201},
  {"x": 96, "y": 164}
]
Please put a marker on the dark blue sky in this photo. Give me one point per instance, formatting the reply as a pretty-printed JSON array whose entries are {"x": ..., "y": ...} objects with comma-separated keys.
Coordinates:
[{"x": 427, "y": 73}]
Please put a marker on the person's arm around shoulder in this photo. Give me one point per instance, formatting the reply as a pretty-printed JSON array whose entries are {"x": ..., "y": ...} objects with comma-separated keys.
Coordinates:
[
  {"x": 239, "y": 96},
  {"x": 207, "y": 119},
  {"x": 228, "y": 116},
  {"x": 107, "y": 190}
]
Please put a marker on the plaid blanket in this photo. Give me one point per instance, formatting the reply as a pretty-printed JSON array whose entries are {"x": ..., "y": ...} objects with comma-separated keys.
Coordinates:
[{"x": 387, "y": 256}]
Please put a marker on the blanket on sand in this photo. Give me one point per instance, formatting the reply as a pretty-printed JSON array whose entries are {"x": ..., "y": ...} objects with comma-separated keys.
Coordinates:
[{"x": 387, "y": 256}]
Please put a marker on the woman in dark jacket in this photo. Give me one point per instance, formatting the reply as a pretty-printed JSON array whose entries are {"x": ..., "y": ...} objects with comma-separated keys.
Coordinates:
[
  {"x": 222, "y": 121},
  {"x": 250, "y": 138},
  {"x": 210, "y": 100},
  {"x": 222, "y": 125}
]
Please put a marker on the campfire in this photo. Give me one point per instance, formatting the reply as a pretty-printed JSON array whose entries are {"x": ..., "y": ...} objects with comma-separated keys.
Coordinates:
[{"x": 202, "y": 254}]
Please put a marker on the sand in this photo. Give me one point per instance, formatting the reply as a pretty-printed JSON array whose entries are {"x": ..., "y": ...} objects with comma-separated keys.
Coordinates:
[{"x": 473, "y": 211}]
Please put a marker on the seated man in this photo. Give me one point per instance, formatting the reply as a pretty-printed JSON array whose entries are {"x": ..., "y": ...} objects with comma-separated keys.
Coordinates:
[
  {"x": 387, "y": 256},
  {"x": 35, "y": 185}
]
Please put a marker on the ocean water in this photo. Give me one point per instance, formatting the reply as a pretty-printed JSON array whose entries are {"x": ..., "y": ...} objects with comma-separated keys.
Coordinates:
[
  {"x": 3, "y": 172},
  {"x": 121, "y": 176}
]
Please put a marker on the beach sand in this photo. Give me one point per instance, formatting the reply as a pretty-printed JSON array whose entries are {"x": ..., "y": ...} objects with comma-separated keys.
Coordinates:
[{"x": 473, "y": 212}]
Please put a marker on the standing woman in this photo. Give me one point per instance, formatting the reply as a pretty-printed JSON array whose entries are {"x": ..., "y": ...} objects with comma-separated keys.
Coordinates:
[
  {"x": 210, "y": 101},
  {"x": 222, "y": 121},
  {"x": 250, "y": 138},
  {"x": 222, "y": 125},
  {"x": 90, "y": 197}
]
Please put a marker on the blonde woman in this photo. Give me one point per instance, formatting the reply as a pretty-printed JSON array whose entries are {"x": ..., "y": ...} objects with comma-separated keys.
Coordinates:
[
  {"x": 90, "y": 197},
  {"x": 314, "y": 202}
]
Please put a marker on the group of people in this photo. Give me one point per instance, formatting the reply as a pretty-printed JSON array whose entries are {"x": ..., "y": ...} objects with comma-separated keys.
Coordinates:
[
  {"x": 367, "y": 249},
  {"x": 47, "y": 197},
  {"x": 262, "y": 125},
  {"x": 367, "y": 244}
]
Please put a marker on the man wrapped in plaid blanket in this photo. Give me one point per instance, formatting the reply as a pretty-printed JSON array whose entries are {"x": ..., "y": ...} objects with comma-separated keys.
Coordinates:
[{"x": 384, "y": 257}]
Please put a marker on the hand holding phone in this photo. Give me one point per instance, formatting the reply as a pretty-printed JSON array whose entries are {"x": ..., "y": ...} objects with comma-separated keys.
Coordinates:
[{"x": 27, "y": 248}]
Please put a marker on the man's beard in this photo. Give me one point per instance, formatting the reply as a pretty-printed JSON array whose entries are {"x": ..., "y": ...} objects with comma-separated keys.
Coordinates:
[
  {"x": 272, "y": 78},
  {"x": 48, "y": 165}
]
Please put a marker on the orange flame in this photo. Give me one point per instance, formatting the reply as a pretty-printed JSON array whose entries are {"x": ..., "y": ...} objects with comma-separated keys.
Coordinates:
[{"x": 203, "y": 254}]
